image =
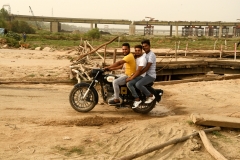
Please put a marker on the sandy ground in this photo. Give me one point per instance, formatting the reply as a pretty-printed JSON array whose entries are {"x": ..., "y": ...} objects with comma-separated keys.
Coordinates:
[{"x": 37, "y": 121}]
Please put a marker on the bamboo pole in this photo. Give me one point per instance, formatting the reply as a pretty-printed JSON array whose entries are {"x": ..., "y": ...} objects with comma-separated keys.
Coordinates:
[
  {"x": 209, "y": 147},
  {"x": 174, "y": 141},
  {"x": 96, "y": 51},
  {"x": 85, "y": 54}
]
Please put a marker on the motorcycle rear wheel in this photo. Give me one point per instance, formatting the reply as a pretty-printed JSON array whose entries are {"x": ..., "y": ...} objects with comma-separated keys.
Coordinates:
[
  {"x": 78, "y": 103},
  {"x": 145, "y": 108}
]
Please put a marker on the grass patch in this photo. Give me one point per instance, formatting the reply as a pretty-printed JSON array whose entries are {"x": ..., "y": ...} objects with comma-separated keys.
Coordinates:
[
  {"x": 70, "y": 151},
  {"x": 190, "y": 122},
  {"x": 66, "y": 41},
  {"x": 31, "y": 75},
  {"x": 221, "y": 136}
]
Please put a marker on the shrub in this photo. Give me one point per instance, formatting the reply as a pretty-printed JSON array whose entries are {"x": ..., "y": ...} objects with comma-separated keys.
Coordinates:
[
  {"x": 93, "y": 34},
  {"x": 13, "y": 35}
]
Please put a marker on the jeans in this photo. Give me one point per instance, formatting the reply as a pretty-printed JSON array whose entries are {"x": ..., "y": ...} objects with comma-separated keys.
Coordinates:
[
  {"x": 131, "y": 87},
  {"x": 144, "y": 81},
  {"x": 116, "y": 83}
]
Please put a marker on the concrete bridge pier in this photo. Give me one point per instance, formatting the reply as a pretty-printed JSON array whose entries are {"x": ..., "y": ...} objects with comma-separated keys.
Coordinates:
[
  {"x": 220, "y": 31},
  {"x": 55, "y": 26},
  {"x": 91, "y": 26},
  {"x": 132, "y": 29},
  {"x": 170, "y": 30},
  {"x": 176, "y": 31}
]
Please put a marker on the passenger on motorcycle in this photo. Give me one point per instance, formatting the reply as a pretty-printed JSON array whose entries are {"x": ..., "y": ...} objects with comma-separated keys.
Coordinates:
[
  {"x": 130, "y": 69},
  {"x": 150, "y": 71},
  {"x": 131, "y": 81}
]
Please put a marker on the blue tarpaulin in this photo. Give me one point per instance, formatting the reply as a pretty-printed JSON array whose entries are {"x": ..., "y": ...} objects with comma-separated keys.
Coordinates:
[{"x": 2, "y": 31}]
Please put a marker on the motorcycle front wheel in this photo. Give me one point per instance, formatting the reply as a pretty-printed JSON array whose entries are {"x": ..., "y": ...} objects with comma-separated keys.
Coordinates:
[{"x": 79, "y": 103}]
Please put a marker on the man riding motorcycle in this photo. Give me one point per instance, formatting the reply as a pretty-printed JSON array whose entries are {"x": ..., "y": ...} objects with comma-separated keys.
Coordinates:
[{"x": 130, "y": 69}]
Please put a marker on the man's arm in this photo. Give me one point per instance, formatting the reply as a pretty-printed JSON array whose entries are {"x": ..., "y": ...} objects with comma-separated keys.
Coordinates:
[
  {"x": 146, "y": 68},
  {"x": 115, "y": 68},
  {"x": 116, "y": 65},
  {"x": 136, "y": 74}
]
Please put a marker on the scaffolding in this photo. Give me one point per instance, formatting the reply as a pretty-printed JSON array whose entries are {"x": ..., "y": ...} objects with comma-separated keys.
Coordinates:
[
  {"x": 148, "y": 30},
  {"x": 192, "y": 31},
  {"x": 236, "y": 31}
]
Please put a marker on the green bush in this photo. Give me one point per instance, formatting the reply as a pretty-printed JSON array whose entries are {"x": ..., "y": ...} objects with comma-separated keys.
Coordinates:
[
  {"x": 93, "y": 34},
  {"x": 13, "y": 35},
  {"x": 21, "y": 26},
  {"x": 12, "y": 42}
]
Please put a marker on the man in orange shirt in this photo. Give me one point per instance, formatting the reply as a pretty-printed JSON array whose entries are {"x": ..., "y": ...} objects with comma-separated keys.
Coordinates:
[{"x": 130, "y": 69}]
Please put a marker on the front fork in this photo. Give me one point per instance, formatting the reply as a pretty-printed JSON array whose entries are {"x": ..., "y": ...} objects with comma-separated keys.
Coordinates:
[{"x": 90, "y": 86}]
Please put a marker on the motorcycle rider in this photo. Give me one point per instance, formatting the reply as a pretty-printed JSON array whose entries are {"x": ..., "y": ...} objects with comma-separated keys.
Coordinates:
[
  {"x": 130, "y": 67},
  {"x": 150, "y": 70},
  {"x": 131, "y": 81}
]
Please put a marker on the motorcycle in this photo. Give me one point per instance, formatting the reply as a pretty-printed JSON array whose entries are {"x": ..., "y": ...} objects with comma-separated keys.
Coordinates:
[{"x": 84, "y": 96}]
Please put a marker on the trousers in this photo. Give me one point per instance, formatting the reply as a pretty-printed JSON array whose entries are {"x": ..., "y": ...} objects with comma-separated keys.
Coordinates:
[
  {"x": 116, "y": 83},
  {"x": 131, "y": 87},
  {"x": 144, "y": 81}
]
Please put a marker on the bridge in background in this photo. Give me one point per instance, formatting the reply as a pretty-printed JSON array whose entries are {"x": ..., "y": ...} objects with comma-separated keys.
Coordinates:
[{"x": 55, "y": 23}]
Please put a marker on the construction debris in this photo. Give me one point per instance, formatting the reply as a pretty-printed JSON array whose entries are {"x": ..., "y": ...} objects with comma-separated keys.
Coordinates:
[
  {"x": 160, "y": 146},
  {"x": 81, "y": 68},
  {"x": 215, "y": 120}
]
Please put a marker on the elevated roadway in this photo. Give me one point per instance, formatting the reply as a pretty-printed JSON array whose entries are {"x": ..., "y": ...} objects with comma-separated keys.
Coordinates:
[{"x": 55, "y": 22}]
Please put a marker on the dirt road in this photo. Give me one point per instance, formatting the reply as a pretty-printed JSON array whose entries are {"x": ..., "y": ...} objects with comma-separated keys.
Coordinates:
[{"x": 37, "y": 121}]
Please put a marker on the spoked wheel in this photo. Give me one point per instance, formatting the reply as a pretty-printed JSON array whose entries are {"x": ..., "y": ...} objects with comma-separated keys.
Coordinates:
[
  {"x": 79, "y": 103},
  {"x": 145, "y": 108}
]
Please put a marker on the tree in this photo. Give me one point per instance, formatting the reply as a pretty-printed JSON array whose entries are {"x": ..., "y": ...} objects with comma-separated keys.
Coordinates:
[
  {"x": 21, "y": 26},
  {"x": 15, "y": 26},
  {"x": 94, "y": 33},
  {"x": 3, "y": 17}
]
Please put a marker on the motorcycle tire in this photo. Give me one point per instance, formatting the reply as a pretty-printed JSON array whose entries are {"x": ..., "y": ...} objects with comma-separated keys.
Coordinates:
[
  {"x": 78, "y": 103},
  {"x": 145, "y": 108}
]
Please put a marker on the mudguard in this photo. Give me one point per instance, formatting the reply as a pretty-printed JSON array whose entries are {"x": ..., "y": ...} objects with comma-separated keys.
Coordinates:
[
  {"x": 87, "y": 85},
  {"x": 157, "y": 93}
]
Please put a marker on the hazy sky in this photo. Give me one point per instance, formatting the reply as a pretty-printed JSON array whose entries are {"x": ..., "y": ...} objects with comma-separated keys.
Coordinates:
[{"x": 167, "y": 10}]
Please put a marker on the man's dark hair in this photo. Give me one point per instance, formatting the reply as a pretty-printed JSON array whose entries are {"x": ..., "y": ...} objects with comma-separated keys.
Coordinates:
[
  {"x": 147, "y": 41},
  {"x": 126, "y": 44},
  {"x": 138, "y": 46}
]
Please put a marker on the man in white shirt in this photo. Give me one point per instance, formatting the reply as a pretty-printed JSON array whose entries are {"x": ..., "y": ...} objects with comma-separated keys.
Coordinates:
[
  {"x": 150, "y": 71},
  {"x": 131, "y": 81}
]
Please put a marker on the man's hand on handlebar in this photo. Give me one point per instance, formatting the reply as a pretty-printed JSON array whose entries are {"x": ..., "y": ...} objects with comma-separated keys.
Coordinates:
[{"x": 106, "y": 69}]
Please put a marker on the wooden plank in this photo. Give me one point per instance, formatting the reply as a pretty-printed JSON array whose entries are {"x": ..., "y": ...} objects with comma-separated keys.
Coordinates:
[
  {"x": 209, "y": 147},
  {"x": 215, "y": 120}
]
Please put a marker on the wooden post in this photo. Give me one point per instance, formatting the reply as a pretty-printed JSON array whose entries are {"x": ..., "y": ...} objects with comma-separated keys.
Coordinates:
[
  {"x": 186, "y": 49},
  {"x": 235, "y": 51},
  {"x": 104, "y": 56},
  {"x": 118, "y": 41},
  {"x": 80, "y": 41},
  {"x": 221, "y": 51},
  {"x": 114, "y": 58},
  {"x": 169, "y": 79},
  {"x": 176, "y": 51},
  {"x": 225, "y": 44},
  {"x": 215, "y": 45},
  {"x": 114, "y": 55}
]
